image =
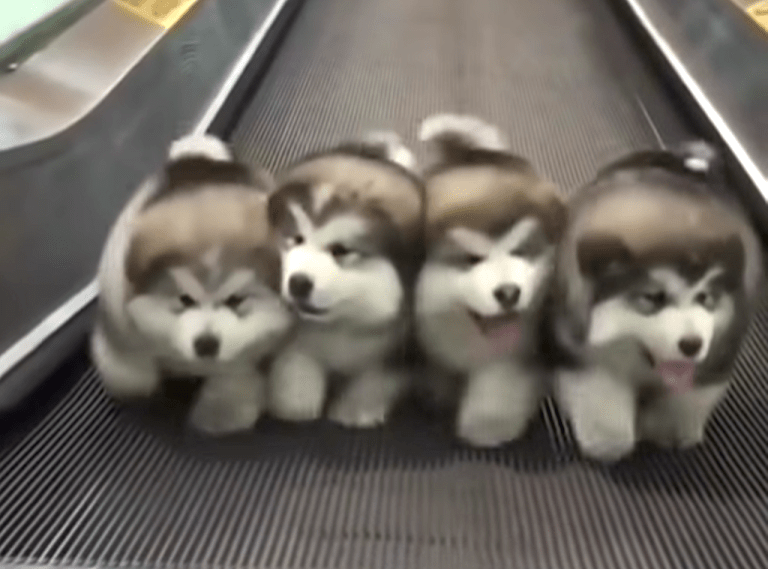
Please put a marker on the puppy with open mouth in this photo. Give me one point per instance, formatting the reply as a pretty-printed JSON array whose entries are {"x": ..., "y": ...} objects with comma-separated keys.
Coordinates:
[
  {"x": 657, "y": 278},
  {"x": 348, "y": 224},
  {"x": 492, "y": 225},
  {"x": 189, "y": 283}
]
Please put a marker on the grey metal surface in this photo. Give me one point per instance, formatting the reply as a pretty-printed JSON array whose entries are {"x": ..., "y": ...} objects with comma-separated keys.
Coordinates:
[
  {"x": 85, "y": 484},
  {"x": 540, "y": 69},
  {"x": 719, "y": 56}
]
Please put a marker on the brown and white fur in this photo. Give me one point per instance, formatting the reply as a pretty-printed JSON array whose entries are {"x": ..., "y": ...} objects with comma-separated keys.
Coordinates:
[
  {"x": 348, "y": 222},
  {"x": 188, "y": 286},
  {"x": 657, "y": 277},
  {"x": 492, "y": 225}
]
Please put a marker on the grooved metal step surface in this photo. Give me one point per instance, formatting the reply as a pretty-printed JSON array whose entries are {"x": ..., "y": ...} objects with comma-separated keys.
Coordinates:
[{"x": 84, "y": 483}]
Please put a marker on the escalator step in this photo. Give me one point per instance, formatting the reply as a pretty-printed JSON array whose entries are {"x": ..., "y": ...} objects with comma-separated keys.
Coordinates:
[{"x": 94, "y": 485}]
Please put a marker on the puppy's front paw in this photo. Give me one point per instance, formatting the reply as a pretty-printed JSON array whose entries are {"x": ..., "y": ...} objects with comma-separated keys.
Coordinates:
[
  {"x": 222, "y": 416},
  {"x": 490, "y": 430},
  {"x": 351, "y": 414},
  {"x": 690, "y": 439},
  {"x": 125, "y": 376},
  {"x": 498, "y": 405},
  {"x": 298, "y": 405},
  {"x": 680, "y": 420},
  {"x": 666, "y": 430},
  {"x": 603, "y": 411},
  {"x": 367, "y": 401},
  {"x": 297, "y": 388},
  {"x": 605, "y": 435},
  {"x": 131, "y": 383},
  {"x": 228, "y": 404}
]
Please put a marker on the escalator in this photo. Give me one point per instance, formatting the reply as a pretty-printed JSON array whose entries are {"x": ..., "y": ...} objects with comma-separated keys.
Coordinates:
[{"x": 86, "y": 483}]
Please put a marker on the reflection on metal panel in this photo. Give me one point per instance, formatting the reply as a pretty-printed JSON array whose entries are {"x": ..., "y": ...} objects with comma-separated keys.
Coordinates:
[
  {"x": 720, "y": 60},
  {"x": 58, "y": 197},
  {"x": 18, "y": 16},
  {"x": 27, "y": 27},
  {"x": 61, "y": 84}
]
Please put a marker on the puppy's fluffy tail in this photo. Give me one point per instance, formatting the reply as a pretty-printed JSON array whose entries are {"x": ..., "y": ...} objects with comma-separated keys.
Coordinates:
[
  {"x": 200, "y": 146},
  {"x": 699, "y": 156},
  {"x": 456, "y": 135},
  {"x": 389, "y": 146}
]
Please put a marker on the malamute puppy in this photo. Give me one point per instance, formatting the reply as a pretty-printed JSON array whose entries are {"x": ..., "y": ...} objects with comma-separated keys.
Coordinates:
[
  {"x": 657, "y": 277},
  {"x": 348, "y": 222},
  {"x": 492, "y": 225},
  {"x": 189, "y": 286}
]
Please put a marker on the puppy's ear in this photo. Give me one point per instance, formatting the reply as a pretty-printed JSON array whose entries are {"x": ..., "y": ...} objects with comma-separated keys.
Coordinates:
[
  {"x": 731, "y": 253},
  {"x": 601, "y": 255},
  {"x": 263, "y": 179},
  {"x": 267, "y": 262},
  {"x": 275, "y": 209},
  {"x": 193, "y": 171},
  {"x": 256, "y": 174},
  {"x": 142, "y": 266},
  {"x": 556, "y": 217},
  {"x": 278, "y": 212}
]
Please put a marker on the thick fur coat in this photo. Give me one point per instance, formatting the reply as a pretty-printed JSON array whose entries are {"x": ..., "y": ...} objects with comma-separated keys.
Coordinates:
[
  {"x": 492, "y": 224},
  {"x": 188, "y": 286},
  {"x": 657, "y": 277},
  {"x": 347, "y": 222}
]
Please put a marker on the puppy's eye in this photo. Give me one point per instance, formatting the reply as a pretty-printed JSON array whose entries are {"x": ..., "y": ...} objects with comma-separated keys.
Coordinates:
[
  {"x": 532, "y": 246},
  {"x": 528, "y": 250},
  {"x": 339, "y": 250},
  {"x": 656, "y": 298},
  {"x": 650, "y": 302},
  {"x": 295, "y": 240},
  {"x": 523, "y": 251},
  {"x": 707, "y": 299},
  {"x": 234, "y": 301},
  {"x": 473, "y": 260},
  {"x": 187, "y": 301}
]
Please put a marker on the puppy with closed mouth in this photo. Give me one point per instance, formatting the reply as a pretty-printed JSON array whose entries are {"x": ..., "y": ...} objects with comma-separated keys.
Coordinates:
[
  {"x": 492, "y": 225},
  {"x": 188, "y": 287},
  {"x": 348, "y": 223},
  {"x": 657, "y": 278}
]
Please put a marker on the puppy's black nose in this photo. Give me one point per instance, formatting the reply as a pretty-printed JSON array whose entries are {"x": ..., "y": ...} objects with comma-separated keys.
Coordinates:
[
  {"x": 507, "y": 295},
  {"x": 300, "y": 286},
  {"x": 690, "y": 345},
  {"x": 207, "y": 346}
]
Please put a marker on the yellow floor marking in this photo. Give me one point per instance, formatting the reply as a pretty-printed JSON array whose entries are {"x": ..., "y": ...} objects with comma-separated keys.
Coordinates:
[
  {"x": 164, "y": 13},
  {"x": 759, "y": 13}
]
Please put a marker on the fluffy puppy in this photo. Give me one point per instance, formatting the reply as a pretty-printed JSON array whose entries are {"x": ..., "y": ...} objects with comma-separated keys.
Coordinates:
[
  {"x": 348, "y": 222},
  {"x": 189, "y": 284},
  {"x": 492, "y": 225},
  {"x": 657, "y": 277}
]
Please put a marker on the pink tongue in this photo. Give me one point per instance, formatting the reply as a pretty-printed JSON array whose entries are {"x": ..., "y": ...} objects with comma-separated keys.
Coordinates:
[
  {"x": 678, "y": 376},
  {"x": 504, "y": 337}
]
